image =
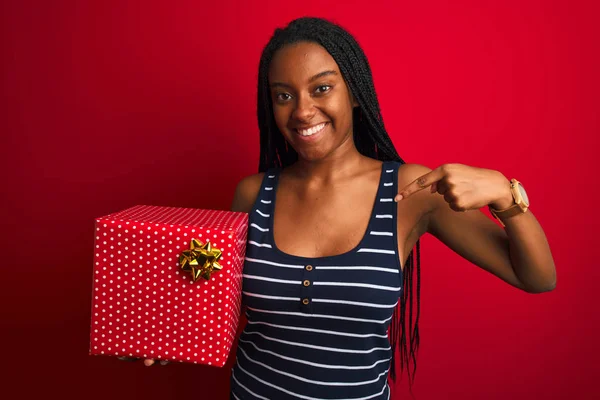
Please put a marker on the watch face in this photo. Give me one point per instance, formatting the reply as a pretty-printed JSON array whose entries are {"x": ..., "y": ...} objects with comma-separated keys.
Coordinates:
[{"x": 523, "y": 194}]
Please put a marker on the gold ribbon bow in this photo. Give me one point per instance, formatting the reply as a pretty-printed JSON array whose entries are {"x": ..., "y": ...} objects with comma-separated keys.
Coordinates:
[{"x": 200, "y": 260}]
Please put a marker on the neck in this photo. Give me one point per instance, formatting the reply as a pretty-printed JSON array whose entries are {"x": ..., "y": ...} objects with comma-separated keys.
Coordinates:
[{"x": 344, "y": 162}]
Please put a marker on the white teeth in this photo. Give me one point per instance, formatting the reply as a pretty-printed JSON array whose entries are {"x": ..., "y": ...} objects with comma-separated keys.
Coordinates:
[{"x": 311, "y": 131}]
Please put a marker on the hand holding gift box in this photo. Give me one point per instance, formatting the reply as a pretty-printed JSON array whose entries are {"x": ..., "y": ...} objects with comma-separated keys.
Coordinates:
[{"x": 167, "y": 283}]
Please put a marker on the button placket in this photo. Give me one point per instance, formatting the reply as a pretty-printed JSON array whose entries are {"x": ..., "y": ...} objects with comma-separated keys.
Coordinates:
[{"x": 306, "y": 289}]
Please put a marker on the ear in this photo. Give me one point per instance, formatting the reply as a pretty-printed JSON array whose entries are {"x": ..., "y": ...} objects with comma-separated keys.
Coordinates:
[{"x": 354, "y": 102}]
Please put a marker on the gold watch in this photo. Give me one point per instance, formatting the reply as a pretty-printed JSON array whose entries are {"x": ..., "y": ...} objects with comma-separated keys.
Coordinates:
[{"x": 521, "y": 202}]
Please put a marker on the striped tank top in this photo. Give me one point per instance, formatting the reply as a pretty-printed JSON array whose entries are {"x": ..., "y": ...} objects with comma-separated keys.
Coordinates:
[{"x": 317, "y": 327}]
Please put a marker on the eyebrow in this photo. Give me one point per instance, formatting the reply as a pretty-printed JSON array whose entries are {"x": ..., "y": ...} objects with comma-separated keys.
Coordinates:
[{"x": 312, "y": 79}]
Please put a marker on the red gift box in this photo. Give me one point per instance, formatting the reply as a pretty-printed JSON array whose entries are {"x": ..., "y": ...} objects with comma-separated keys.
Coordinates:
[{"x": 144, "y": 304}]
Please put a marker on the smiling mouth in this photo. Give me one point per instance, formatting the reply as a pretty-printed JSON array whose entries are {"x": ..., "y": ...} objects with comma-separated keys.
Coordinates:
[{"x": 312, "y": 130}]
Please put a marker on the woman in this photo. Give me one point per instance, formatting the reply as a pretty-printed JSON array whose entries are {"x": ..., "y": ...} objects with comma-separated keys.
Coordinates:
[{"x": 334, "y": 216}]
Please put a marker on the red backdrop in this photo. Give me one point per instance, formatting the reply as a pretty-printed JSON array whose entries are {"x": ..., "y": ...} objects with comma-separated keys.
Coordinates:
[{"x": 108, "y": 104}]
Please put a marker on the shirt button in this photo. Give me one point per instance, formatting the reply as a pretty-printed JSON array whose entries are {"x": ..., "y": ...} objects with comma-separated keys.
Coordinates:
[
  {"x": 306, "y": 283},
  {"x": 309, "y": 267},
  {"x": 305, "y": 301}
]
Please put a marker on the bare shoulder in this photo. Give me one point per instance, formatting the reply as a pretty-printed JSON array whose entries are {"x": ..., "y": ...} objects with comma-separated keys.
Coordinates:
[
  {"x": 246, "y": 192},
  {"x": 407, "y": 174}
]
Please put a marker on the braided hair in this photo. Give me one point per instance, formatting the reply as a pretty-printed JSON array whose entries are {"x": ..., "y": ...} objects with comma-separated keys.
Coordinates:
[{"x": 370, "y": 137}]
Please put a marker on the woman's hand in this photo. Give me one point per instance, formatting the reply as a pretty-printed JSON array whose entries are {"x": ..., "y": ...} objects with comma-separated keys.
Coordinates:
[
  {"x": 150, "y": 361},
  {"x": 464, "y": 187},
  {"x": 147, "y": 362}
]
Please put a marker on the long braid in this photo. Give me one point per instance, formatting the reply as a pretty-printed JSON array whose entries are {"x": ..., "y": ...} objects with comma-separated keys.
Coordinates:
[{"x": 370, "y": 137}]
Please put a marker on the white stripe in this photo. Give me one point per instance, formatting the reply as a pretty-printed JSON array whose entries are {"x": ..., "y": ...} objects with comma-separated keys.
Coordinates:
[
  {"x": 298, "y": 328},
  {"x": 383, "y": 216},
  {"x": 262, "y": 214},
  {"x": 259, "y": 244},
  {"x": 323, "y": 383},
  {"x": 302, "y": 396},
  {"x": 233, "y": 394},
  {"x": 259, "y": 228},
  {"x": 263, "y": 278},
  {"x": 331, "y": 301},
  {"x": 312, "y": 346},
  {"x": 376, "y": 251},
  {"x": 376, "y": 233},
  {"x": 269, "y": 188},
  {"x": 271, "y": 176},
  {"x": 388, "y": 184},
  {"x": 256, "y": 260},
  {"x": 388, "y": 388},
  {"x": 264, "y": 296},
  {"x": 245, "y": 388},
  {"x": 352, "y": 284},
  {"x": 389, "y": 170},
  {"x": 299, "y": 314},
  {"x": 386, "y": 200},
  {"x": 339, "y": 284},
  {"x": 355, "y": 303},
  {"x": 313, "y": 364},
  {"x": 365, "y": 268},
  {"x": 266, "y": 201}
]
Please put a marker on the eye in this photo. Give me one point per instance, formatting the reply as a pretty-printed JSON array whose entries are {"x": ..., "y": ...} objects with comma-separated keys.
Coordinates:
[
  {"x": 282, "y": 96},
  {"x": 323, "y": 89}
]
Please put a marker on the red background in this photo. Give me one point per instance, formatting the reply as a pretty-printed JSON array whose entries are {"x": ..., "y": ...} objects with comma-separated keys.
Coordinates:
[{"x": 108, "y": 104}]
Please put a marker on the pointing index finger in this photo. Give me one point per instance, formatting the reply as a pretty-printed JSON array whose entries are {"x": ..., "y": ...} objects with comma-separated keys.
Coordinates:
[{"x": 419, "y": 184}]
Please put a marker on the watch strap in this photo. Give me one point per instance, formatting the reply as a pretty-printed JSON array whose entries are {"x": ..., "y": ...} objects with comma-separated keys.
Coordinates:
[{"x": 506, "y": 213}]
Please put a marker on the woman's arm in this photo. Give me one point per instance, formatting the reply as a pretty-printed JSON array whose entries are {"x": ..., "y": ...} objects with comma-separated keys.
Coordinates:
[
  {"x": 519, "y": 254},
  {"x": 243, "y": 200}
]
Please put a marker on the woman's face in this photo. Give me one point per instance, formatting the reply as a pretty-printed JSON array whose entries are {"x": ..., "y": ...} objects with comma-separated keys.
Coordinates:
[{"x": 311, "y": 101}]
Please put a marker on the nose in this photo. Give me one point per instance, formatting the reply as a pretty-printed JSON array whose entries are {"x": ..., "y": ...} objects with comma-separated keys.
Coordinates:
[{"x": 304, "y": 109}]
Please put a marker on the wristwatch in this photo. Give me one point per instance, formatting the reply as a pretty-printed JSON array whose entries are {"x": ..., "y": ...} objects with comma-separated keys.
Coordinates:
[{"x": 520, "y": 205}]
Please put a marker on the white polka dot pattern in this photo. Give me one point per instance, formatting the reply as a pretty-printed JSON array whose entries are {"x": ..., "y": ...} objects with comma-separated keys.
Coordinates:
[{"x": 143, "y": 305}]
